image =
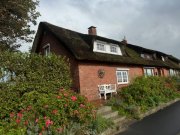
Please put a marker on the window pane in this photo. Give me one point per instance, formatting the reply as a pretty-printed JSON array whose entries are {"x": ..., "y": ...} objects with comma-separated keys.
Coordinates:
[
  {"x": 100, "y": 47},
  {"x": 47, "y": 50},
  {"x": 124, "y": 76},
  {"x": 113, "y": 49},
  {"x": 148, "y": 71}
]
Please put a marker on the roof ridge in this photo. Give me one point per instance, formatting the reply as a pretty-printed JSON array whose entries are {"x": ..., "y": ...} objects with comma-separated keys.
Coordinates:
[{"x": 47, "y": 23}]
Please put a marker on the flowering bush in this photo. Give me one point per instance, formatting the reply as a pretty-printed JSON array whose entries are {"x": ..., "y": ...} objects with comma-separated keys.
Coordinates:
[{"x": 41, "y": 113}]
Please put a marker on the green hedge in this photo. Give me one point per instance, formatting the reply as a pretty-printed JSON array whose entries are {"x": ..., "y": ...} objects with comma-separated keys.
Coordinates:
[{"x": 24, "y": 73}]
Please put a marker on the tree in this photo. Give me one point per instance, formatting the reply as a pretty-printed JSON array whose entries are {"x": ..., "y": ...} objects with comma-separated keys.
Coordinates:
[{"x": 16, "y": 18}]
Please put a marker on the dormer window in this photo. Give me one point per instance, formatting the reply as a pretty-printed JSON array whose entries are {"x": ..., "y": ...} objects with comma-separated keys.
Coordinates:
[
  {"x": 163, "y": 59},
  {"x": 46, "y": 49},
  {"x": 113, "y": 49},
  {"x": 142, "y": 55},
  {"x": 146, "y": 56},
  {"x": 101, "y": 47},
  {"x": 104, "y": 47}
]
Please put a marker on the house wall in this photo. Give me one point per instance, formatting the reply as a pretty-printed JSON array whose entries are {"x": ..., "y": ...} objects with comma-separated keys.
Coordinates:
[
  {"x": 166, "y": 72},
  {"x": 57, "y": 47},
  {"x": 89, "y": 80}
]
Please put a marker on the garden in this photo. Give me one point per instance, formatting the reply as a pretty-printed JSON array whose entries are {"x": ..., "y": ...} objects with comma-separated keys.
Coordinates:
[{"x": 145, "y": 93}]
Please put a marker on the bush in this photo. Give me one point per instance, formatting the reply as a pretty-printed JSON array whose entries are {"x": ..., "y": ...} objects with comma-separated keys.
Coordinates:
[
  {"x": 21, "y": 73},
  {"x": 49, "y": 113},
  {"x": 100, "y": 124},
  {"x": 144, "y": 93}
]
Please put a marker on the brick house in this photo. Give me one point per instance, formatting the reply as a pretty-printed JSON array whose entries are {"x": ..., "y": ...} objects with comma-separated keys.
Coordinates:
[{"x": 98, "y": 60}]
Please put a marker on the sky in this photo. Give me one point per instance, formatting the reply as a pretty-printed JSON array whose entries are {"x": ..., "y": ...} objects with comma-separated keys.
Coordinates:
[{"x": 153, "y": 24}]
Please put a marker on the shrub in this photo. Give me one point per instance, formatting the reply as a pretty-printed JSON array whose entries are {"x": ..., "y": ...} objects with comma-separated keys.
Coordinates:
[
  {"x": 100, "y": 124},
  {"x": 49, "y": 113},
  {"x": 22, "y": 73},
  {"x": 144, "y": 93}
]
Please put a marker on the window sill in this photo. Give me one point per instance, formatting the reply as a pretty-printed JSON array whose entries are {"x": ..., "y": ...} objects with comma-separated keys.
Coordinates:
[{"x": 123, "y": 83}]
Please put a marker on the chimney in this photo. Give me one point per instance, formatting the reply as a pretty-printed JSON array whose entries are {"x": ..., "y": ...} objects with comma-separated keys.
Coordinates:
[
  {"x": 92, "y": 30},
  {"x": 124, "y": 41}
]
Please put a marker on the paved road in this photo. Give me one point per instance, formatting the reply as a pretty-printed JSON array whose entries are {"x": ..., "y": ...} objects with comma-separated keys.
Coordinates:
[{"x": 164, "y": 122}]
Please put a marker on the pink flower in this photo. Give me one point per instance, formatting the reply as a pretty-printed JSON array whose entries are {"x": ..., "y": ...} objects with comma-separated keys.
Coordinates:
[
  {"x": 48, "y": 122},
  {"x": 55, "y": 111},
  {"x": 40, "y": 133},
  {"x": 65, "y": 94},
  {"x": 82, "y": 105},
  {"x": 45, "y": 117},
  {"x": 20, "y": 115},
  {"x": 36, "y": 120},
  {"x": 18, "y": 121},
  {"x": 58, "y": 97},
  {"x": 73, "y": 98}
]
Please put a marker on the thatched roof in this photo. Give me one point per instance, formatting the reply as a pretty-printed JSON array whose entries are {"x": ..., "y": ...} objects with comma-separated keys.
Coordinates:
[{"x": 81, "y": 47}]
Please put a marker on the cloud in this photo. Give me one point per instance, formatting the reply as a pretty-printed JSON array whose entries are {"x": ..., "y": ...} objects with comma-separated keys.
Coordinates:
[{"x": 153, "y": 24}]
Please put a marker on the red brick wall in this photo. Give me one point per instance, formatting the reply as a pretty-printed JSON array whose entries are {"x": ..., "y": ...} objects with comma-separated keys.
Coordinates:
[
  {"x": 89, "y": 79},
  {"x": 166, "y": 71},
  {"x": 57, "y": 47}
]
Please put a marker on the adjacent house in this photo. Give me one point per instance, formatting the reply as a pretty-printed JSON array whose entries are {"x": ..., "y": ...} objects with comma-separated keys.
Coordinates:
[{"x": 96, "y": 60}]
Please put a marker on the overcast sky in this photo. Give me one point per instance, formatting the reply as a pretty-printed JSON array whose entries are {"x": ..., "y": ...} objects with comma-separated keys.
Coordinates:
[{"x": 153, "y": 24}]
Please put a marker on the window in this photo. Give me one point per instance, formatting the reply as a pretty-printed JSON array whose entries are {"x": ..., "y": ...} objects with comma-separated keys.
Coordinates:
[
  {"x": 147, "y": 56},
  {"x": 46, "y": 49},
  {"x": 122, "y": 76},
  {"x": 105, "y": 47},
  {"x": 101, "y": 47},
  {"x": 142, "y": 55},
  {"x": 113, "y": 49},
  {"x": 149, "y": 71},
  {"x": 163, "y": 59},
  {"x": 172, "y": 72}
]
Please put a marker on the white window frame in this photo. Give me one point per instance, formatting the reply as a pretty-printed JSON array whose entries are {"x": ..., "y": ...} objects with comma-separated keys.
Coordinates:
[
  {"x": 46, "y": 49},
  {"x": 113, "y": 49},
  {"x": 122, "y": 70},
  {"x": 148, "y": 68},
  {"x": 172, "y": 72},
  {"x": 101, "y": 47}
]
